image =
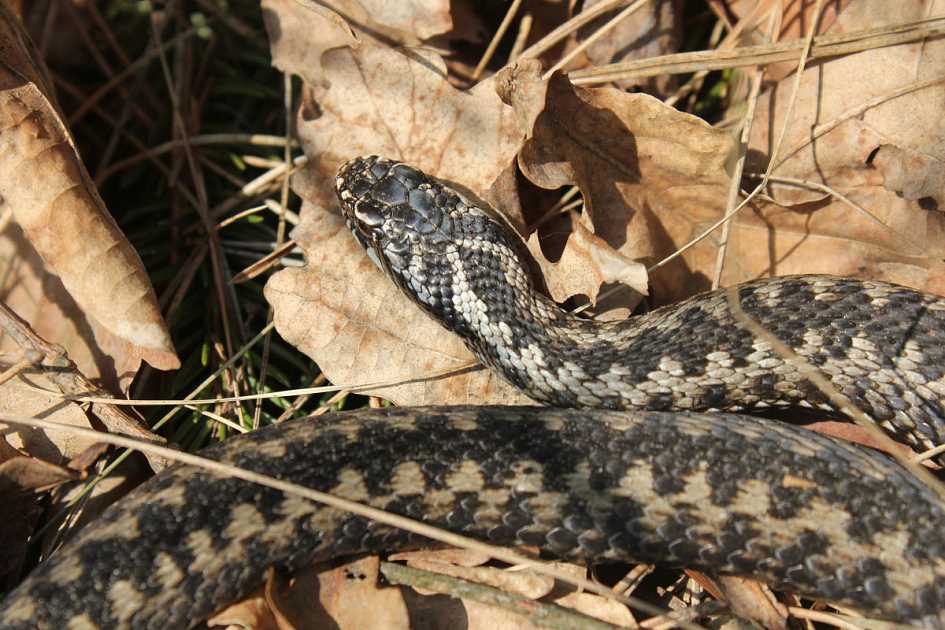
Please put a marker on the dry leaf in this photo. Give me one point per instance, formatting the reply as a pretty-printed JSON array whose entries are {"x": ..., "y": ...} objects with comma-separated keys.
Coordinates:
[
  {"x": 598, "y": 607},
  {"x": 651, "y": 176},
  {"x": 348, "y": 598},
  {"x": 586, "y": 263},
  {"x": 525, "y": 583},
  {"x": 29, "y": 474},
  {"x": 853, "y": 433},
  {"x": 881, "y": 158},
  {"x": 21, "y": 479},
  {"x": 299, "y": 34},
  {"x": 399, "y": 105},
  {"x": 32, "y": 396},
  {"x": 253, "y": 612},
  {"x": 45, "y": 186},
  {"x": 345, "y": 597},
  {"x": 795, "y": 21}
]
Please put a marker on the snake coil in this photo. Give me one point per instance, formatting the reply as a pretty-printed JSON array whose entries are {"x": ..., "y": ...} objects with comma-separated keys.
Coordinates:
[{"x": 720, "y": 492}]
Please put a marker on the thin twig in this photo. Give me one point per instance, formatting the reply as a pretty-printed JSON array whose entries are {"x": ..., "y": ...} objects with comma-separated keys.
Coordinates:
[
  {"x": 735, "y": 184},
  {"x": 496, "y": 38},
  {"x": 540, "y": 614}
]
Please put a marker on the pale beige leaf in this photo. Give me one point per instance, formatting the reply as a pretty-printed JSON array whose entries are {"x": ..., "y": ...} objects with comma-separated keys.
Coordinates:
[
  {"x": 422, "y": 18},
  {"x": 46, "y": 187},
  {"x": 911, "y": 174},
  {"x": 795, "y": 21},
  {"x": 886, "y": 158},
  {"x": 650, "y": 174},
  {"x": 485, "y": 617},
  {"x": 348, "y": 598},
  {"x": 598, "y": 607},
  {"x": 344, "y": 313},
  {"x": 384, "y": 102},
  {"x": 300, "y": 32}
]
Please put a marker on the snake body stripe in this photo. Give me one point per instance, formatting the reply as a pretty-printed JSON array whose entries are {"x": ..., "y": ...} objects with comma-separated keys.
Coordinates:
[
  {"x": 721, "y": 492},
  {"x": 718, "y": 492}
]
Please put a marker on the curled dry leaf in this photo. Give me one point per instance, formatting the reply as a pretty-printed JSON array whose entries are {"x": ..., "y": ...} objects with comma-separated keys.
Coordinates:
[
  {"x": 652, "y": 177},
  {"x": 45, "y": 186},
  {"x": 884, "y": 154},
  {"x": 586, "y": 263}
]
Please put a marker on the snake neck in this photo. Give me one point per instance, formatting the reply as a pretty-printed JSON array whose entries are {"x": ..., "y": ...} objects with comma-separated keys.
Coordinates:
[
  {"x": 696, "y": 355},
  {"x": 881, "y": 345}
]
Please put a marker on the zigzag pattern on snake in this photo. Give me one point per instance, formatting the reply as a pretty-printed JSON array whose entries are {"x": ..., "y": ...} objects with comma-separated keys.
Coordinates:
[{"x": 720, "y": 492}]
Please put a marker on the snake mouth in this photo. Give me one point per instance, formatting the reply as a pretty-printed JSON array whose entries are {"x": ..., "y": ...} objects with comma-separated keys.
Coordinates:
[
  {"x": 363, "y": 217},
  {"x": 367, "y": 243}
]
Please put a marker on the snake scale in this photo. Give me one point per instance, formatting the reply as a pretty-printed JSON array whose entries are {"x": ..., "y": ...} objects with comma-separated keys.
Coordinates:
[{"x": 648, "y": 477}]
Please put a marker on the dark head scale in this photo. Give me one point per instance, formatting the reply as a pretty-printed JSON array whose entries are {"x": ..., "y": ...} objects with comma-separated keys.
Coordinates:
[{"x": 394, "y": 211}]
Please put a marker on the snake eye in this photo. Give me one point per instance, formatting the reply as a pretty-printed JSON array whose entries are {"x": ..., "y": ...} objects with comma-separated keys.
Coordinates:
[{"x": 369, "y": 213}]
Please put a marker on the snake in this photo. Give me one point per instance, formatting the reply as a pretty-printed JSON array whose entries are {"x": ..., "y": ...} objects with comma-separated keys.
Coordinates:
[{"x": 642, "y": 448}]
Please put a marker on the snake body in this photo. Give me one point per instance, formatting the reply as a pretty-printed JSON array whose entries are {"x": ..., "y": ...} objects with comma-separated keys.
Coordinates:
[{"x": 721, "y": 492}]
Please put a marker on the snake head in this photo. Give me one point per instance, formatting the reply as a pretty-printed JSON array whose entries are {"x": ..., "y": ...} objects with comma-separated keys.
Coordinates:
[{"x": 397, "y": 213}]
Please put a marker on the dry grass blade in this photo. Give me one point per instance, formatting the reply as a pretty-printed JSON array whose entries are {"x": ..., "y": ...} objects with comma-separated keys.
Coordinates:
[
  {"x": 496, "y": 38},
  {"x": 558, "y": 34},
  {"x": 603, "y": 30},
  {"x": 823, "y": 46},
  {"x": 285, "y": 393}
]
